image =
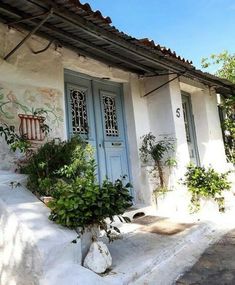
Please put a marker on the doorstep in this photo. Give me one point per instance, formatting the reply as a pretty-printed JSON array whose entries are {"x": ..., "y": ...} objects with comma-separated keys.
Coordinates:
[{"x": 151, "y": 242}]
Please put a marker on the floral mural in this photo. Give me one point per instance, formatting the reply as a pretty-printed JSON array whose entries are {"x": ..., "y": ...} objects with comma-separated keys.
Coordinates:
[{"x": 18, "y": 102}]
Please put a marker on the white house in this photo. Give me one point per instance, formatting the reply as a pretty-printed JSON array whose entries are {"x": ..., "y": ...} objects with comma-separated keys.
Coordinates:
[{"x": 106, "y": 86}]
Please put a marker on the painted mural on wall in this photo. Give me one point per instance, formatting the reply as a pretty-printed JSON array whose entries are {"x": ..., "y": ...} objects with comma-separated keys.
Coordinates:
[{"x": 18, "y": 102}]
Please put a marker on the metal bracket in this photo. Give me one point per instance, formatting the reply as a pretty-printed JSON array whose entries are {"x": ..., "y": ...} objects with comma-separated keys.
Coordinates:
[
  {"x": 44, "y": 49},
  {"x": 48, "y": 14},
  {"x": 26, "y": 19},
  {"x": 172, "y": 79}
]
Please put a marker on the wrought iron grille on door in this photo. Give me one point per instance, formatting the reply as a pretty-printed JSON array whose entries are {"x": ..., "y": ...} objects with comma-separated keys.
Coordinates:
[
  {"x": 79, "y": 111},
  {"x": 110, "y": 116}
]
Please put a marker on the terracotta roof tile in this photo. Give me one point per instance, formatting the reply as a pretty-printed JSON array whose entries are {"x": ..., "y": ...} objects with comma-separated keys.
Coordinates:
[
  {"x": 106, "y": 21},
  {"x": 87, "y": 8}
]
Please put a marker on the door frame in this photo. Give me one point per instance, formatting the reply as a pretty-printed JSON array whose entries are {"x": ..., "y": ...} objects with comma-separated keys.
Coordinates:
[
  {"x": 193, "y": 128},
  {"x": 103, "y": 81}
]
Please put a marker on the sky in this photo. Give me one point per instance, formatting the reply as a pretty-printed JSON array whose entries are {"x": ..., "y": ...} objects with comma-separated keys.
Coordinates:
[{"x": 193, "y": 28}]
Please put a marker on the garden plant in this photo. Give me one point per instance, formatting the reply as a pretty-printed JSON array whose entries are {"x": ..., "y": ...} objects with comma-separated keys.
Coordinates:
[
  {"x": 66, "y": 170},
  {"x": 158, "y": 153},
  {"x": 205, "y": 183}
]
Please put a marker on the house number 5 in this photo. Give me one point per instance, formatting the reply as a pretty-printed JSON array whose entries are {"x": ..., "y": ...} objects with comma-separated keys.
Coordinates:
[{"x": 178, "y": 112}]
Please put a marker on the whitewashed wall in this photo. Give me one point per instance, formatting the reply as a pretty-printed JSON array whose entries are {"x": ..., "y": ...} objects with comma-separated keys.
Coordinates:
[
  {"x": 37, "y": 80},
  {"x": 207, "y": 125}
]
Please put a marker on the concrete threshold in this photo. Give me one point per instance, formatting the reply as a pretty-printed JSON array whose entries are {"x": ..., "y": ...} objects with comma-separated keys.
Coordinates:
[{"x": 147, "y": 248}]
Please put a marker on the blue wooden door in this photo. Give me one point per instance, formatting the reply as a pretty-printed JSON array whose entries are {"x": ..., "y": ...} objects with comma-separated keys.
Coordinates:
[
  {"x": 95, "y": 112},
  {"x": 111, "y": 142}
]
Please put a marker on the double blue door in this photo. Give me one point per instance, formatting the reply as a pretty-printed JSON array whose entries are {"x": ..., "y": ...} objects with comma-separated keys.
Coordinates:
[{"x": 95, "y": 112}]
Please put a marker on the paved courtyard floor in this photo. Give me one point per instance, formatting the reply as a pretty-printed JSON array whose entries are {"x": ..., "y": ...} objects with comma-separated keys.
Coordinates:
[{"x": 216, "y": 266}]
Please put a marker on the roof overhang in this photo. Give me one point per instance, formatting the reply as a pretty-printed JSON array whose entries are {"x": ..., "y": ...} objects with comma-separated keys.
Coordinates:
[{"x": 89, "y": 34}]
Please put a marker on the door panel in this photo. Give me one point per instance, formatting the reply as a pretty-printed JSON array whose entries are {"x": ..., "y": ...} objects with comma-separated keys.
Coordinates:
[
  {"x": 80, "y": 110},
  {"x": 116, "y": 163},
  {"x": 112, "y": 138},
  {"x": 190, "y": 129}
]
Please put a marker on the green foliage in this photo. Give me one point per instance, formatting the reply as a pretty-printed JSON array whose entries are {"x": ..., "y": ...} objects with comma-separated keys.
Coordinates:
[
  {"x": 153, "y": 149},
  {"x": 67, "y": 172},
  {"x": 82, "y": 202},
  {"x": 158, "y": 152},
  {"x": 225, "y": 64},
  {"x": 228, "y": 126},
  {"x": 14, "y": 140},
  {"x": 54, "y": 160},
  {"x": 207, "y": 183}
]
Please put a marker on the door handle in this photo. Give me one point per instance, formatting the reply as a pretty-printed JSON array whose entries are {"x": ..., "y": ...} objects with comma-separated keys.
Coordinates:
[{"x": 116, "y": 143}]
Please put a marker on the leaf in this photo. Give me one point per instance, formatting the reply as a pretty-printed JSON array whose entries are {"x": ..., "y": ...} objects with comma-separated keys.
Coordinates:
[
  {"x": 126, "y": 219},
  {"x": 117, "y": 229}
]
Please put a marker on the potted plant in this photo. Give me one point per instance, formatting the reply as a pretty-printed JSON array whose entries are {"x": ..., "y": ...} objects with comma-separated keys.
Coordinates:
[{"x": 157, "y": 156}]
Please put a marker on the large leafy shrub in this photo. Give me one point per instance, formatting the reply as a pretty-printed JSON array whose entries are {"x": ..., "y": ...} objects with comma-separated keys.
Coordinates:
[
  {"x": 207, "y": 183},
  {"x": 67, "y": 172},
  {"x": 82, "y": 202},
  {"x": 54, "y": 160}
]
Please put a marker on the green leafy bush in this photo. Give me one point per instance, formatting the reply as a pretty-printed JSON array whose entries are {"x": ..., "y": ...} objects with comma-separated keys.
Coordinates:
[
  {"x": 67, "y": 172},
  {"x": 207, "y": 183},
  {"x": 82, "y": 202},
  {"x": 54, "y": 160}
]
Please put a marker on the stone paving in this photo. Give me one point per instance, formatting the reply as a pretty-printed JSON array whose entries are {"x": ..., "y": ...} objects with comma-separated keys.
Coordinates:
[{"x": 216, "y": 266}]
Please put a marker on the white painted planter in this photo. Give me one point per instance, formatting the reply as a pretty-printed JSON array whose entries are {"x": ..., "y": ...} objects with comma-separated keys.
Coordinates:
[{"x": 98, "y": 258}]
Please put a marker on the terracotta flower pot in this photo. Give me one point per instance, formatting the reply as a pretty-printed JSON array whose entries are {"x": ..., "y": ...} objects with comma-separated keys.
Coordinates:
[{"x": 46, "y": 199}]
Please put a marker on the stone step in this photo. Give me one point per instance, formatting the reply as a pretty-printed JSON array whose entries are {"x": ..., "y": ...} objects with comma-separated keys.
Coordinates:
[{"x": 142, "y": 249}]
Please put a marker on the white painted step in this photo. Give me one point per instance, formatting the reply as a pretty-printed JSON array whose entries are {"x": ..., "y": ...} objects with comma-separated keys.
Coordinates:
[{"x": 139, "y": 252}]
